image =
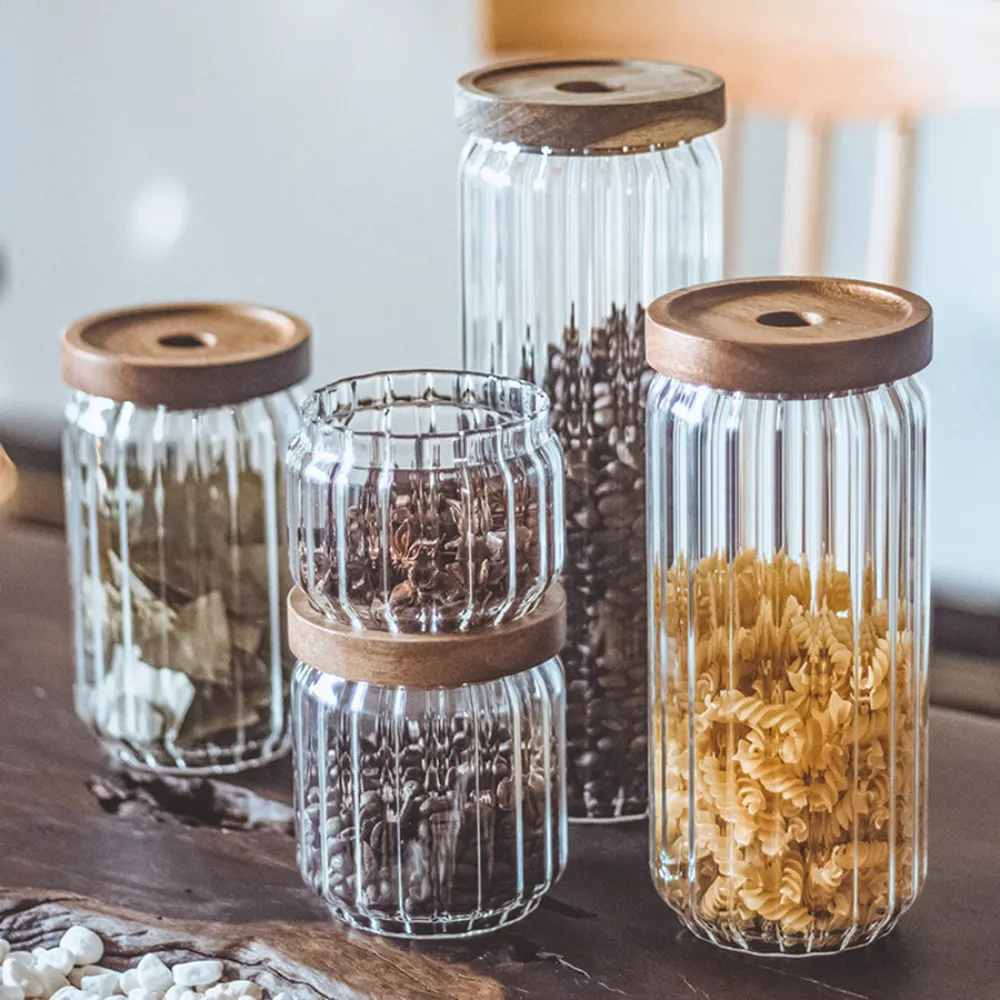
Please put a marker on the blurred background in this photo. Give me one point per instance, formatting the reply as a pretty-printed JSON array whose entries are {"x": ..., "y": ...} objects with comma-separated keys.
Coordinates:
[{"x": 302, "y": 154}]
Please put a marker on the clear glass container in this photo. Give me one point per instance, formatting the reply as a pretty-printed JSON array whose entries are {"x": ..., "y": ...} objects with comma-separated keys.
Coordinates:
[
  {"x": 426, "y": 501},
  {"x": 789, "y": 606},
  {"x": 587, "y": 188},
  {"x": 430, "y": 812},
  {"x": 174, "y": 519}
]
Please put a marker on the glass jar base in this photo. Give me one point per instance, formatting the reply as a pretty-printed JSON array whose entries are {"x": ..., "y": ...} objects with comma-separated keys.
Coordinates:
[
  {"x": 196, "y": 765},
  {"x": 438, "y": 928},
  {"x": 775, "y": 945}
]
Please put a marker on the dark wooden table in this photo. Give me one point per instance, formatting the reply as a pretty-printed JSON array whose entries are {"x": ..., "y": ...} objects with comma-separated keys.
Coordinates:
[{"x": 603, "y": 932}]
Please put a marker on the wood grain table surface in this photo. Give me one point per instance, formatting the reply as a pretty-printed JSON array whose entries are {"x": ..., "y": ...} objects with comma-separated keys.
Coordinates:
[{"x": 602, "y": 932}]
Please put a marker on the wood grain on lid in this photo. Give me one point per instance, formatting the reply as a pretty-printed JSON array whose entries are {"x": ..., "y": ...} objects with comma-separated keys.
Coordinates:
[
  {"x": 191, "y": 355},
  {"x": 794, "y": 336},
  {"x": 438, "y": 660},
  {"x": 596, "y": 105}
]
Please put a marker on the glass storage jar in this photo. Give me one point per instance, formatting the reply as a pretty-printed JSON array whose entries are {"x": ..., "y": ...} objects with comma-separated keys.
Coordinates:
[
  {"x": 426, "y": 501},
  {"x": 429, "y": 770},
  {"x": 587, "y": 188},
  {"x": 790, "y": 607},
  {"x": 173, "y": 456}
]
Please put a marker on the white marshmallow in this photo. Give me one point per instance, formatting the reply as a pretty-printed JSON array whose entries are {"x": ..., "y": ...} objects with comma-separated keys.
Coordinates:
[
  {"x": 83, "y": 944},
  {"x": 141, "y": 994},
  {"x": 178, "y": 992},
  {"x": 52, "y": 980},
  {"x": 77, "y": 976},
  {"x": 11, "y": 993},
  {"x": 154, "y": 975},
  {"x": 22, "y": 956}
]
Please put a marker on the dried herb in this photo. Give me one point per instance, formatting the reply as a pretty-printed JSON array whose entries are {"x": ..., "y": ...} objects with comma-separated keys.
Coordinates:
[
  {"x": 598, "y": 393},
  {"x": 184, "y": 605},
  {"x": 438, "y": 551}
]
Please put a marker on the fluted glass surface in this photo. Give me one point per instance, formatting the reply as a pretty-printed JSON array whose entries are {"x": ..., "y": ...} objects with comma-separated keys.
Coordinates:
[
  {"x": 789, "y": 635},
  {"x": 179, "y": 573},
  {"x": 426, "y": 501},
  {"x": 430, "y": 813},
  {"x": 560, "y": 255}
]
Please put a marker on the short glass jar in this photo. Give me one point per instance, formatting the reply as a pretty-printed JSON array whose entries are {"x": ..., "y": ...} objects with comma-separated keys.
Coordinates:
[
  {"x": 587, "y": 188},
  {"x": 426, "y": 501},
  {"x": 789, "y": 607},
  {"x": 173, "y": 455},
  {"x": 429, "y": 770}
]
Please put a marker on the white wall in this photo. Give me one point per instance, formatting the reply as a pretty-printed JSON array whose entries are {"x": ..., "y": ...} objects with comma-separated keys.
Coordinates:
[
  {"x": 302, "y": 153},
  {"x": 299, "y": 153}
]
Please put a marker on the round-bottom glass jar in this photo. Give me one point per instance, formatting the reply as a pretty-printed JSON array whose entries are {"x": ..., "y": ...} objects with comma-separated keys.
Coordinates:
[
  {"x": 428, "y": 812},
  {"x": 790, "y": 610}
]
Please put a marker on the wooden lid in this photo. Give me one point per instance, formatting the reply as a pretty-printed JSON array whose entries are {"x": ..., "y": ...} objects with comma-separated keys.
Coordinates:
[
  {"x": 789, "y": 336},
  {"x": 187, "y": 356},
  {"x": 8, "y": 477},
  {"x": 598, "y": 105},
  {"x": 422, "y": 660}
]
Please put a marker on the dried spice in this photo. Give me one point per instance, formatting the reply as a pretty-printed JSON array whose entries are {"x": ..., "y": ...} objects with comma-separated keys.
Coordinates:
[
  {"x": 431, "y": 820},
  {"x": 184, "y": 611},
  {"x": 437, "y": 551},
  {"x": 598, "y": 392},
  {"x": 805, "y": 714}
]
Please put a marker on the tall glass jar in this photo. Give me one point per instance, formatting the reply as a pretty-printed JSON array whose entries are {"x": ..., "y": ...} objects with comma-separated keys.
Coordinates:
[
  {"x": 589, "y": 187},
  {"x": 173, "y": 455},
  {"x": 789, "y": 608},
  {"x": 426, "y": 501},
  {"x": 429, "y": 770}
]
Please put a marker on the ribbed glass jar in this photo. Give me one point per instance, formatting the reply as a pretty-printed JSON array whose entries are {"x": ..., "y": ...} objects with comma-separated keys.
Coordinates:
[
  {"x": 567, "y": 235},
  {"x": 426, "y": 501},
  {"x": 425, "y": 805},
  {"x": 789, "y": 615},
  {"x": 175, "y": 527}
]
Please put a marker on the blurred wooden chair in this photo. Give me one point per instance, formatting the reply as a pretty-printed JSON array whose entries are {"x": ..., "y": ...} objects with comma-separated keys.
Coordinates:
[{"x": 814, "y": 62}]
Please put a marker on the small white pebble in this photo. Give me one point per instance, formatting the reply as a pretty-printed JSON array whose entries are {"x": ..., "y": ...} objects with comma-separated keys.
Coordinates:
[
  {"x": 52, "y": 980},
  {"x": 104, "y": 984},
  {"x": 201, "y": 973},
  {"x": 54, "y": 958},
  {"x": 154, "y": 975},
  {"x": 4, "y": 948},
  {"x": 129, "y": 981},
  {"x": 77, "y": 976},
  {"x": 16, "y": 972},
  {"x": 83, "y": 944},
  {"x": 11, "y": 993},
  {"x": 141, "y": 994}
]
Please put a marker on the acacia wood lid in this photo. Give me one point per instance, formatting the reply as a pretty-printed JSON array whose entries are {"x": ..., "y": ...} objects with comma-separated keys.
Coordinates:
[
  {"x": 8, "y": 477},
  {"x": 597, "y": 105},
  {"x": 789, "y": 336},
  {"x": 186, "y": 355},
  {"x": 427, "y": 660}
]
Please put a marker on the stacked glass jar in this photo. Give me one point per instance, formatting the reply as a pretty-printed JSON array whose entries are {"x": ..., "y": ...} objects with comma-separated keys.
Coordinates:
[
  {"x": 425, "y": 520},
  {"x": 589, "y": 187},
  {"x": 790, "y": 607},
  {"x": 174, "y": 453}
]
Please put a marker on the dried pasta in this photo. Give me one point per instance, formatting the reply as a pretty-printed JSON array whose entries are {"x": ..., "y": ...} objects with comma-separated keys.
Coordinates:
[{"x": 805, "y": 714}]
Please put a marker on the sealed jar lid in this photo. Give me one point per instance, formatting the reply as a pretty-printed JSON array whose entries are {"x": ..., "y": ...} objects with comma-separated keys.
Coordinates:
[
  {"x": 8, "y": 477},
  {"x": 794, "y": 336},
  {"x": 187, "y": 356},
  {"x": 593, "y": 105},
  {"x": 422, "y": 660}
]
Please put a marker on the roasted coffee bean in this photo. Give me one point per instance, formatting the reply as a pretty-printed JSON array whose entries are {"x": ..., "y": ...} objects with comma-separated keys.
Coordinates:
[{"x": 597, "y": 389}]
